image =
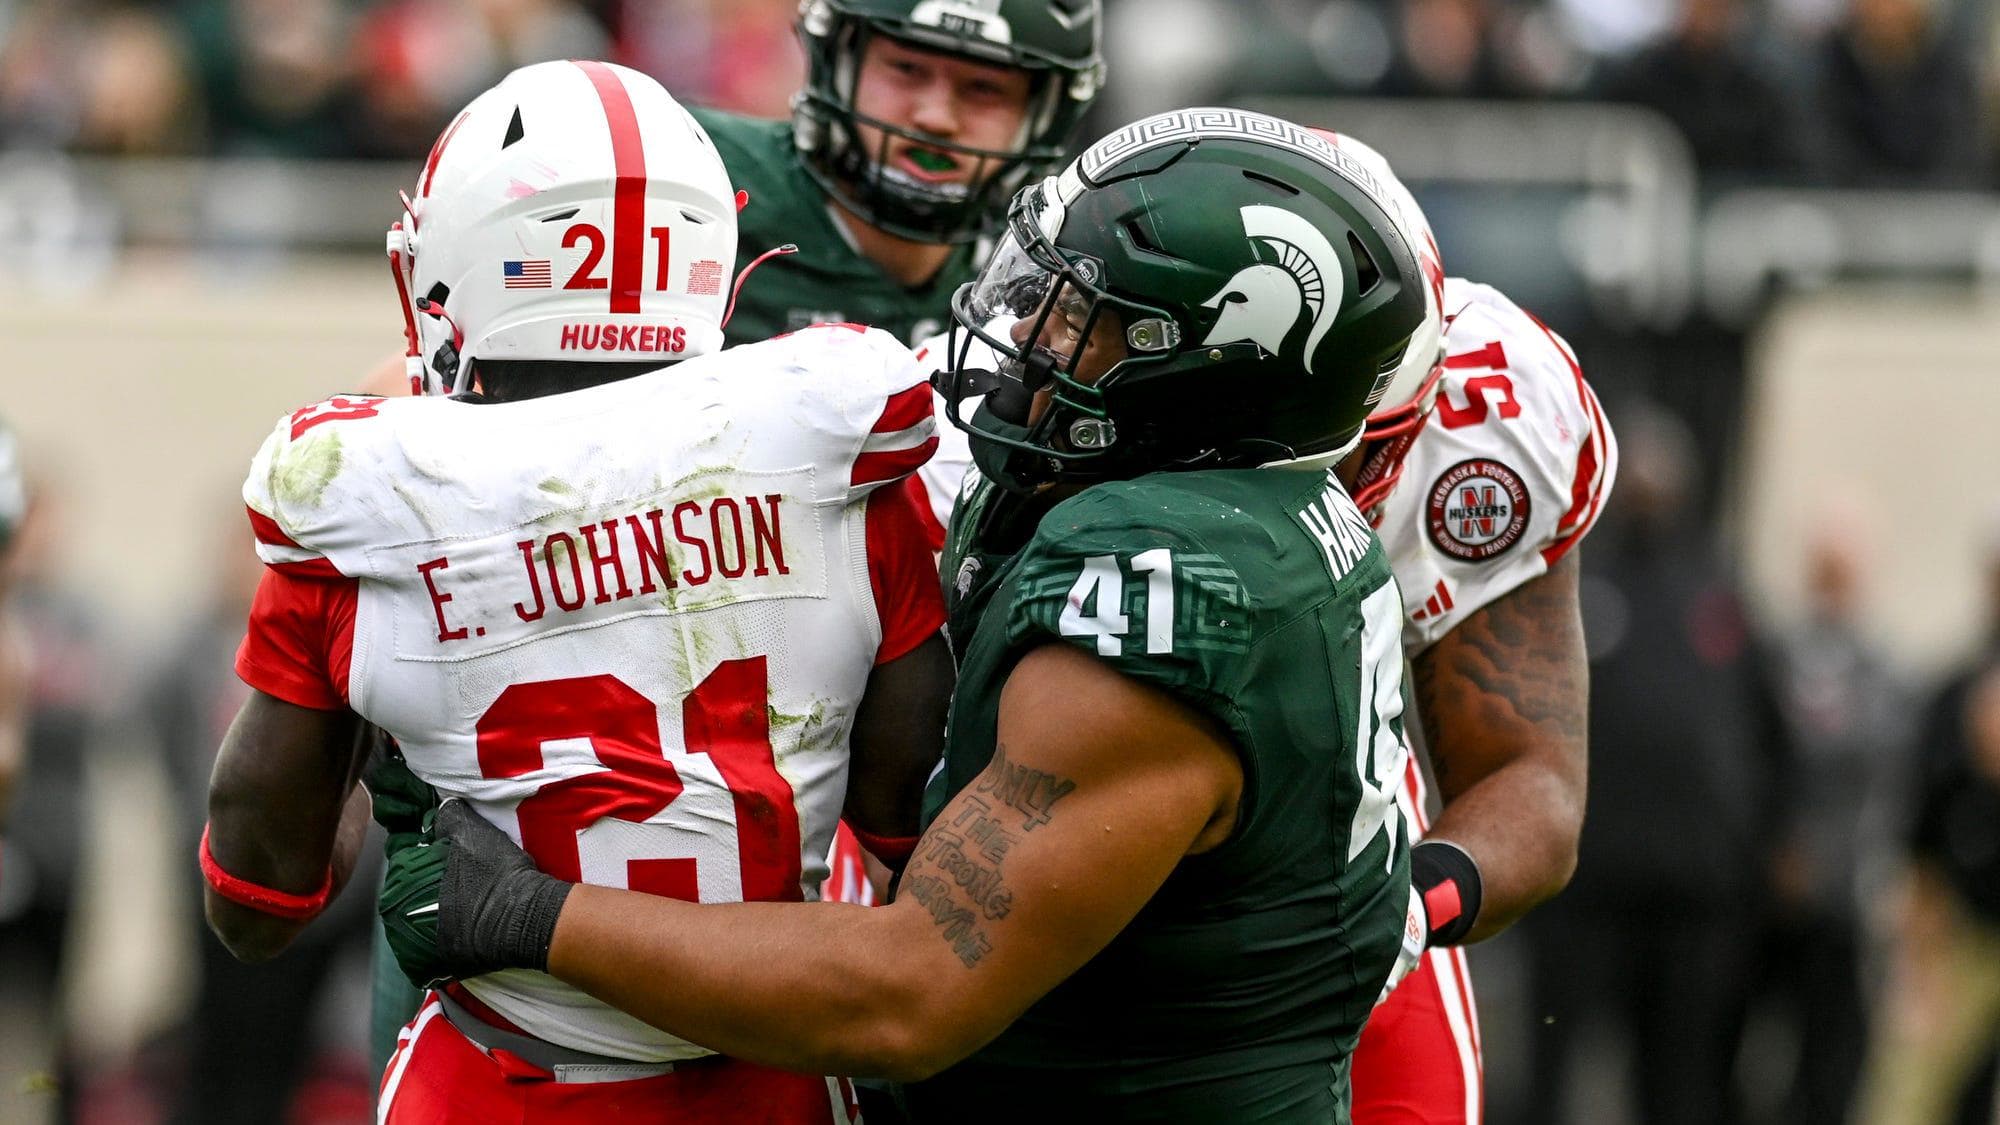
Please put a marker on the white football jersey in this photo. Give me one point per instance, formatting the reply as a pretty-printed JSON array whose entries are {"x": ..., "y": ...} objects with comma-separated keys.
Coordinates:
[
  {"x": 629, "y": 624},
  {"x": 1508, "y": 473}
]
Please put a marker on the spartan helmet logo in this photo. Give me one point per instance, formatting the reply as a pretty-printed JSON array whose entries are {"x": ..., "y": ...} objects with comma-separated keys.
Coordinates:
[{"x": 1263, "y": 302}]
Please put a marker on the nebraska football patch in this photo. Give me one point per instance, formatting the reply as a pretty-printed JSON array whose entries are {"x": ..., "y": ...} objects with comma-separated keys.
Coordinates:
[{"x": 1478, "y": 509}]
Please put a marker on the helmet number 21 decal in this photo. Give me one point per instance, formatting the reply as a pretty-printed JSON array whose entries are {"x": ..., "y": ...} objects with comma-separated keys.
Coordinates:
[{"x": 586, "y": 274}]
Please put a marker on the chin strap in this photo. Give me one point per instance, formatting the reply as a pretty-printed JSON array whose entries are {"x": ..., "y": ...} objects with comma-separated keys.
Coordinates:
[
  {"x": 446, "y": 362},
  {"x": 399, "y": 266}
]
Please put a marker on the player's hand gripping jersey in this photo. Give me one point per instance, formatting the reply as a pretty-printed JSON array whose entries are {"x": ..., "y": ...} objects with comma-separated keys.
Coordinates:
[
  {"x": 628, "y": 624},
  {"x": 1259, "y": 598},
  {"x": 1506, "y": 476}
]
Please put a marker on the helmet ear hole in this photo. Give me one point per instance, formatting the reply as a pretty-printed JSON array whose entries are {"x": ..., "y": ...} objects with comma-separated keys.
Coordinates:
[
  {"x": 439, "y": 294},
  {"x": 1366, "y": 272},
  {"x": 1141, "y": 238}
]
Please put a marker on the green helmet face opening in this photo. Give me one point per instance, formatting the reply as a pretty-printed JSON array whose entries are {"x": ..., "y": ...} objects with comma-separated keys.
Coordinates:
[
  {"x": 1206, "y": 288},
  {"x": 1055, "y": 41}
]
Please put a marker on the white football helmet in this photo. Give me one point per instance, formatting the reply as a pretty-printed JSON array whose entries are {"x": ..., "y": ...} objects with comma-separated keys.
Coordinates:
[
  {"x": 573, "y": 212},
  {"x": 1412, "y": 391}
]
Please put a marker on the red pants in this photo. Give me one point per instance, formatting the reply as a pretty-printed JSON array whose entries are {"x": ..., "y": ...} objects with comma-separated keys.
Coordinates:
[
  {"x": 438, "y": 1075},
  {"x": 1418, "y": 1060}
]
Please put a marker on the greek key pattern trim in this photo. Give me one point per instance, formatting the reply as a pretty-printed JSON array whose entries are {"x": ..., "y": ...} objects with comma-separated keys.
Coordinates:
[{"x": 1183, "y": 124}]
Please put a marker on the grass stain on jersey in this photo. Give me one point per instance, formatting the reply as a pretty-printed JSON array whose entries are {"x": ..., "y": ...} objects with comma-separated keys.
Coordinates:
[
  {"x": 711, "y": 482},
  {"x": 306, "y": 468},
  {"x": 702, "y": 645},
  {"x": 557, "y": 552},
  {"x": 810, "y": 724},
  {"x": 415, "y": 502}
]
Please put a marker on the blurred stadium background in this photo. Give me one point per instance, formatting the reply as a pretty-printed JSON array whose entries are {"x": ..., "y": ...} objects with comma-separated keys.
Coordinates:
[{"x": 1770, "y": 228}]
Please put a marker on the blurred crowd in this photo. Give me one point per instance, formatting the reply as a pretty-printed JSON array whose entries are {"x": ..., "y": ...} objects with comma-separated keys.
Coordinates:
[
  {"x": 1788, "y": 907},
  {"x": 1810, "y": 91},
  {"x": 1799, "y": 91},
  {"x": 346, "y": 78}
]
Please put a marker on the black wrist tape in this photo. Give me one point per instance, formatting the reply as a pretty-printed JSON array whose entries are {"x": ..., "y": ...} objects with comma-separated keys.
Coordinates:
[
  {"x": 527, "y": 928},
  {"x": 1449, "y": 882}
]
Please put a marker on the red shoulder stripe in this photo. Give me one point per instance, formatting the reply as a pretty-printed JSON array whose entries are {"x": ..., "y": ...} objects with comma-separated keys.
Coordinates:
[
  {"x": 1586, "y": 491},
  {"x": 307, "y": 568},
  {"x": 628, "y": 203},
  {"x": 905, "y": 408},
  {"x": 888, "y": 464},
  {"x": 1581, "y": 495},
  {"x": 267, "y": 530}
]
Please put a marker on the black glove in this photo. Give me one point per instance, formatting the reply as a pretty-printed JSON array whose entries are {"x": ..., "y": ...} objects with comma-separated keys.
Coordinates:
[
  {"x": 495, "y": 909},
  {"x": 397, "y": 797},
  {"x": 466, "y": 900}
]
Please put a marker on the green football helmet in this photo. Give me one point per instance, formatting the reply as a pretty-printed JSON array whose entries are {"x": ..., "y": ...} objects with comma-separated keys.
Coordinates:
[
  {"x": 1235, "y": 290},
  {"x": 1055, "y": 40}
]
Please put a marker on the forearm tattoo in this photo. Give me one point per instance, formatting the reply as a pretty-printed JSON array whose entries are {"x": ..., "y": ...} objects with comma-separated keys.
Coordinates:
[
  {"x": 1517, "y": 662},
  {"x": 959, "y": 871}
]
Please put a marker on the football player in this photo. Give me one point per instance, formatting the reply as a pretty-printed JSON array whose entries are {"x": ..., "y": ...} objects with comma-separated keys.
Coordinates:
[
  {"x": 1163, "y": 877},
  {"x": 919, "y": 120},
  {"x": 1485, "y": 463},
  {"x": 633, "y": 600},
  {"x": 1482, "y": 475}
]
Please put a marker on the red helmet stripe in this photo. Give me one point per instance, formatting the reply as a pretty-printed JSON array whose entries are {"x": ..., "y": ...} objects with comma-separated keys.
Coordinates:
[
  {"x": 437, "y": 150},
  {"x": 628, "y": 206}
]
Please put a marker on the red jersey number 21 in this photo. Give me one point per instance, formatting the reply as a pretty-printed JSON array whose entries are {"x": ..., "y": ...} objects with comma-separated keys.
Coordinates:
[{"x": 725, "y": 717}]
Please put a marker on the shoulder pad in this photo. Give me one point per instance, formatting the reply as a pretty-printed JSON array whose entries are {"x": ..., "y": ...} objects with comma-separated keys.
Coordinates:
[
  {"x": 290, "y": 491},
  {"x": 1507, "y": 475},
  {"x": 864, "y": 383}
]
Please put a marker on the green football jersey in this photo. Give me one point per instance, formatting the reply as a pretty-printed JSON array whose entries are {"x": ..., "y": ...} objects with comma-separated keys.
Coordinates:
[
  {"x": 1262, "y": 599},
  {"x": 828, "y": 279}
]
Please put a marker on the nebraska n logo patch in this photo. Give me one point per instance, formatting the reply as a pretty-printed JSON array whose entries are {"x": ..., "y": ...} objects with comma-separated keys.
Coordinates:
[
  {"x": 1477, "y": 509},
  {"x": 1265, "y": 301}
]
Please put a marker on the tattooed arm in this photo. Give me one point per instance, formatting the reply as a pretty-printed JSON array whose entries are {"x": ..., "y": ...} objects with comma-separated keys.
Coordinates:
[
  {"x": 1098, "y": 787},
  {"x": 1502, "y": 699}
]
